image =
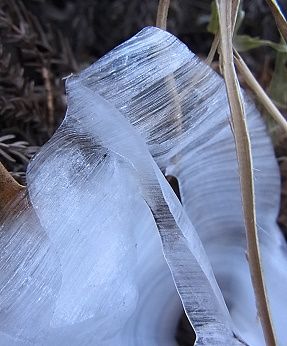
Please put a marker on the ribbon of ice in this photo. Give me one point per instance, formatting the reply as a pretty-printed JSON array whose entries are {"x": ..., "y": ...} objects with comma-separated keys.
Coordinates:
[
  {"x": 179, "y": 106},
  {"x": 99, "y": 199}
]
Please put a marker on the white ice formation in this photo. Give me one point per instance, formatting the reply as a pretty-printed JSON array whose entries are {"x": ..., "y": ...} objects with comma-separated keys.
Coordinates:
[{"x": 101, "y": 252}]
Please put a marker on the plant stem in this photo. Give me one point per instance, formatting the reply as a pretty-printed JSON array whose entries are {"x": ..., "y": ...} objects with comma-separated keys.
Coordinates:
[
  {"x": 262, "y": 97},
  {"x": 244, "y": 157},
  {"x": 9, "y": 188},
  {"x": 162, "y": 11},
  {"x": 279, "y": 17},
  {"x": 213, "y": 49}
]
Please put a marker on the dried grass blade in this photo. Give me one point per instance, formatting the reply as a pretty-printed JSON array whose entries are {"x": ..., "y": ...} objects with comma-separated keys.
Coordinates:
[
  {"x": 9, "y": 188},
  {"x": 263, "y": 98},
  {"x": 279, "y": 17},
  {"x": 244, "y": 157},
  {"x": 162, "y": 12},
  {"x": 215, "y": 42},
  {"x": 213, "y": 49}
]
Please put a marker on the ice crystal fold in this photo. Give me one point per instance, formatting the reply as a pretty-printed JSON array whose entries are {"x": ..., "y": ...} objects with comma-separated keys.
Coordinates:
[
  {"x": 94, "y": 274},
  {"x": 101, "y": 168},
  {"x": 101, "y": 251},
  {"x": 30, "y": 275},
  {"x": 179, "y": 106},
  {"x": 101, "y": 200}
]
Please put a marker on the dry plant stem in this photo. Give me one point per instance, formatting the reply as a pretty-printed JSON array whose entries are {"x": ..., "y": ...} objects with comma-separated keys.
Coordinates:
[
  {"x": 243, "y": 149},
  {"x": 49, "y": 92},
  {"x": 213, "y": 49},
  {"x": 161, "y": 22},
  {"x": 261, "y": 95},
  {"x": 162, "y": 11},
  {"x": 234, "y": 11},
  {"x": 279, "y": 18},
  {"x": 216, "y": 39},
  {"x": 9, "y": 188}
]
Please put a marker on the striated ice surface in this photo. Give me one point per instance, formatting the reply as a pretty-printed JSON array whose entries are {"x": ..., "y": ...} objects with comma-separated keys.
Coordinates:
[
  {"x": 101, "y": 252},
  {"x": 106, "y": 239},
  {"x": 30, "y": 276},
  {"x": 179, "y": 106},
  {"x": 114, "y": 285}
]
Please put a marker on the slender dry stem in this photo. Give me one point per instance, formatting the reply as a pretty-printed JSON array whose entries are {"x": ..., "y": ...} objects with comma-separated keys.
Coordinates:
[
  {"x": 243, "y": 149},
  {"x": 162, "y": 12},
  {"x": 213, "y": 49},
  {"x": 261, "y": 95},
  {"x": 50, "y": 97},
  {"x": 161, "y": 20},
  {"x": 279, "y": 17},
  {"x": 216, "y": 39},
  {"x": 9, "y": 188}
]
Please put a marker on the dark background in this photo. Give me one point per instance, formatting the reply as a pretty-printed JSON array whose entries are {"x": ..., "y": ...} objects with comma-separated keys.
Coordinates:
[{"x": 43, "y": 41}]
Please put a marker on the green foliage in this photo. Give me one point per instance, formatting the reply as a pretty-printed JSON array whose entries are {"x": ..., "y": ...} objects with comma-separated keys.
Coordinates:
[
  {"x": 245, "y": 43},
  {"x": 242, "y": 43},
  {"x": 213, "y": 25},
  {"x": 278, "y": 86}
]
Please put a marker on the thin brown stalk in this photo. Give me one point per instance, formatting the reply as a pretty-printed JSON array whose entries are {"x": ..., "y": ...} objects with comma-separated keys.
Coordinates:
[
  {"x": 50, "y": 98},
  {"x": 261, "y": 95},
  {"x": 213, "y": 49},
  {"x": 244, "y": 157},
  {"x": 161, "y": 21},
  {"x": 216, "y": 39},
  {"x": 9, "y": 188},
  {"x": 279, "y": 17},
  {"x": 234, "y": 11},
  {"x": 162, "y": 12}
]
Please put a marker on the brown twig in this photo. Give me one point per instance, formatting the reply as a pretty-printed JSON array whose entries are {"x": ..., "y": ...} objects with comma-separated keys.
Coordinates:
[
  {"x": 216, "y": 39},
  {"x": 161, "y": 21},
  {"x": 244, "y": 157},
  {"x": 9, "y": 188},
  {"x": 213, "y": 49},
  {"x": 279, "y": 18},
  {"x": 50, "y": 98},
  {"x": 262, "y": 97},
  {"x": 162, "y": 12}
]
